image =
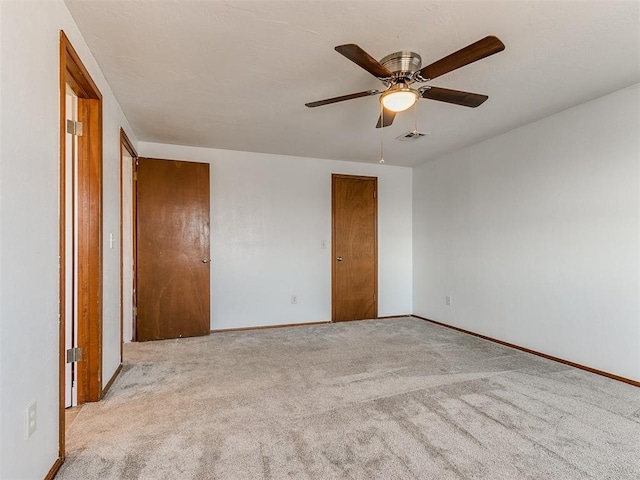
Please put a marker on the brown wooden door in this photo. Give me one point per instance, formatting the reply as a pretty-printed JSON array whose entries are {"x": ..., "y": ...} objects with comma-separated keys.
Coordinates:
[
  {"x": 172, "y": 242},
  {"x": 355, "y": 248}
]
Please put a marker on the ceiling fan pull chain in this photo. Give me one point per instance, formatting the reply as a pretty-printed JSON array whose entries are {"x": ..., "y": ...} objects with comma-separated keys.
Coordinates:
[{"x": 381, "y": 131}]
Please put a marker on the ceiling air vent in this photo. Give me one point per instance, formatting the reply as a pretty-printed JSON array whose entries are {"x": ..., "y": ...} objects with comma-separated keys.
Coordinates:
[{"x": 411, "y": 136}]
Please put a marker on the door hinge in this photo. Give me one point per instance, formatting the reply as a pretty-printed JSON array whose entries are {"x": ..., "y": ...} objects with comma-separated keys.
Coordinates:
[
  {"x": 135, "y": 311},
  {"x": 74, "y": 354},
  {"x": 74, "y": 128},
  {"x": 374, "y": 297},
  {"x": 135, "y": 176},
  {"x": 374, "y": 194}
]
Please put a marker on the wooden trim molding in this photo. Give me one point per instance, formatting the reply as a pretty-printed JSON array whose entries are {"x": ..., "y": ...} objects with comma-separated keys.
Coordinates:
[
  {"x": 124, "y": 140},
  {"x": 62, "y": 252},
  {"x": 90, "y": 250},
  {"x": 533, "y": 352},
  {"x": 75, "y": 73},
  {"x": 54, "y": 469},
  {"x": 111, "y": 380},
  {"x": 89, "y": 211},
  {"x": 265, "y": 327}
]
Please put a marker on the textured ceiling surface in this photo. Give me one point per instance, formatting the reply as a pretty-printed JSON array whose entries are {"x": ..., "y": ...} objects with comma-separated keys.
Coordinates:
[{"x": 236, "y": 74}]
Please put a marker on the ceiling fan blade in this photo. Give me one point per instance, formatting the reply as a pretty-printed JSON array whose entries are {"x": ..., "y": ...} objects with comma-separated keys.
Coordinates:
[
  {"x": 386, "y": 118},
  {"x": 361, "y": 58},
  {"x": 342, "y": 98},
  {"x": 455, "y": 96},
  {"x": 469, "y": 54}
]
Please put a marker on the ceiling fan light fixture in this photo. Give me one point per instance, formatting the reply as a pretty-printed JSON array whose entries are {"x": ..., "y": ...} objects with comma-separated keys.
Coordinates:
[{"x": 399, "y": 99}]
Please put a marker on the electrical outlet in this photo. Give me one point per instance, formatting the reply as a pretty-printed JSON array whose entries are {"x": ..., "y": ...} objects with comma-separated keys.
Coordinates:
[
  {"x": 294, "y": 299},
  {"x": 30, "y": 418},
  {"x": 448, "y": 300}
]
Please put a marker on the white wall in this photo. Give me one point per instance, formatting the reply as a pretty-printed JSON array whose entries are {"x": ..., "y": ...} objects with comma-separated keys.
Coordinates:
[
  {"x": 535, "y": 236},
  {"x": 269, "y": 214},
  {"x": 533, "y": 233},
  {"x": 29, "y": 163},
  {"x": 113, "y": 119}
]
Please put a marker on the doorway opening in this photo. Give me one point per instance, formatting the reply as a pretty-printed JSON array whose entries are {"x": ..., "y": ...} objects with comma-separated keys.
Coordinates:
[
  {"x": 72, "y": 133},
  {"x": 80, "y": 213},
  {"x": 128, "y": 161}
]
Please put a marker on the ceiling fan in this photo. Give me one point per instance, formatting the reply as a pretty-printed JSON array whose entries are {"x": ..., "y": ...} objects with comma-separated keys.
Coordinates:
[{"x": 401, "y": 69}]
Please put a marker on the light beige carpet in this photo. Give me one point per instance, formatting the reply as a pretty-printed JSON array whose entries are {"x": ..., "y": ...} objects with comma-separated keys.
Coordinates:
[{"x": 383, "y": 399}]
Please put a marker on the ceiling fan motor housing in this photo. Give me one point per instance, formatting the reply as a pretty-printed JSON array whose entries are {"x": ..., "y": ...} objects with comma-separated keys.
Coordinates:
[
  {"x": 402, "y": 64},
  {"x": 400, "y": 70}
]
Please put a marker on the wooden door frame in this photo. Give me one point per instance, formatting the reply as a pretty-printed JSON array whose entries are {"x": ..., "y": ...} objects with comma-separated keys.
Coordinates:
[
  {"x": 134, "y": 260},
  {"x": 335, "y": 176},
  {"x": 74, "y": 73},
  {"x": 127, "y": 145}
]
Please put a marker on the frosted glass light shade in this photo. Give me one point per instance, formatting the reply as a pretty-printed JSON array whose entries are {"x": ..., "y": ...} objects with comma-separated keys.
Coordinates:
[{"x": 399, "y": 100}]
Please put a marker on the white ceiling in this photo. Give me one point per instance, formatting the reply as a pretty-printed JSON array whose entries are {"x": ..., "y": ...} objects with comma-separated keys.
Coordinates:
[{"x": 236, "y": 74}]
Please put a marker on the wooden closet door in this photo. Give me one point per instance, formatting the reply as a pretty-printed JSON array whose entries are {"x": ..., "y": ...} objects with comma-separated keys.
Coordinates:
[
  {"x": 172, "y": 242},
  {"x": 355, "y": 248}
]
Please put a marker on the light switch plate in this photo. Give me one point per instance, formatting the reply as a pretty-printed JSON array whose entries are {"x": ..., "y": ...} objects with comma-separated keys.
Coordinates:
[{"x": 30, "y": 419}]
